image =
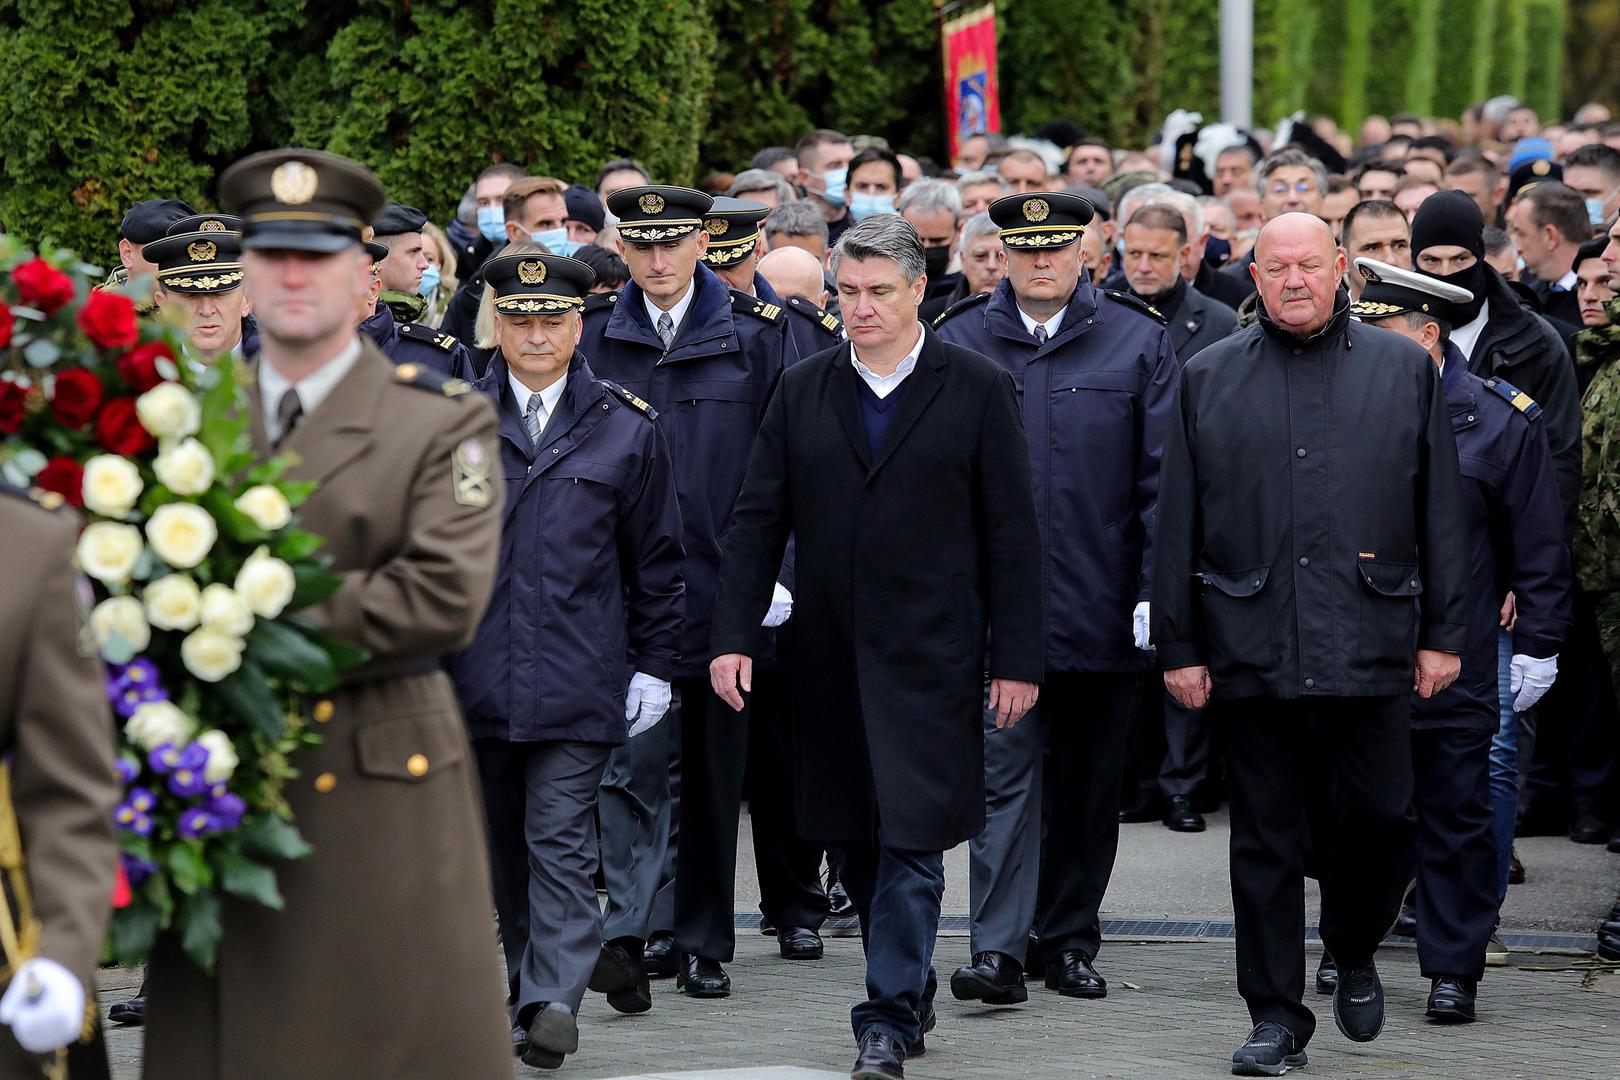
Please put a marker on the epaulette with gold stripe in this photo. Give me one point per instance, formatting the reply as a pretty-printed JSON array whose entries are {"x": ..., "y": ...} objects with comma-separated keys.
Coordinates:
[
  {"x": 418, "y": 332},
  {"x": 1515, "y": 397},
  {"x": 630, "y": 399},
  {"x": 753, "y": 305},
  {"x": 826, "y": 320},
  {"x": 1130, "y": 300}
]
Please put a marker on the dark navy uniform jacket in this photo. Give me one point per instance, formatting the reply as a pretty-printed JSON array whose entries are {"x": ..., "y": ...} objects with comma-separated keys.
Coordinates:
[
  {"x": 1095, "y": 400},
  {"x": 414, "y": 343},
  {"x": 1515, "y": 540},
  {"x": 812, "y": 329},
  {"x": 710, "y": 392},
  {"x": 588, "y": 589}
]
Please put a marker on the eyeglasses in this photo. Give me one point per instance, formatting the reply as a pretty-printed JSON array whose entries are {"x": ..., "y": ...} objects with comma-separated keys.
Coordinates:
[{"x": 1301, "y": 186}]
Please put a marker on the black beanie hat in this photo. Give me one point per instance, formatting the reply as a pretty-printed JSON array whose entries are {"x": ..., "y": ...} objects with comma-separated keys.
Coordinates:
[{"x": 1449, "y": 217}]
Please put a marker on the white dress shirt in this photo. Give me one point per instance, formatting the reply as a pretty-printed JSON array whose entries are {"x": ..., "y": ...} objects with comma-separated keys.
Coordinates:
[
  {"x": 1051, "y": 324},
  {"x": 312, "y": 388},
  {"x": 883, "y": 385},
  {"x": 676, "y": 314},
  {"x": 1467, "y": 335},
  {"x": 548, "y": 397},
  {"x": 1566, "y": 283}
]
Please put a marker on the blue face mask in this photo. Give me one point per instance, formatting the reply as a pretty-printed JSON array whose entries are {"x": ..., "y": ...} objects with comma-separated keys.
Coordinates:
[
  {"x": 556, "y": 241},
  {"x": 492, "y": 223},
  {"x": 1594, "y": 211},
  {"x": 862, "y": 205},
  {"x": 833, "y": 182},
  {"x": 430, "y": 281}
]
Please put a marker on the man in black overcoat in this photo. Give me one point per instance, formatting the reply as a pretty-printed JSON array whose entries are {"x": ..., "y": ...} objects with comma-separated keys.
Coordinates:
[{"x": 898, "y": 463}]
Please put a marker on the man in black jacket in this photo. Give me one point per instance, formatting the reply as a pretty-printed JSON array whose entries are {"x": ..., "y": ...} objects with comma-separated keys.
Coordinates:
[
  {"x": 1304, "y": 565},
  {"x": 898, "y": 464}
]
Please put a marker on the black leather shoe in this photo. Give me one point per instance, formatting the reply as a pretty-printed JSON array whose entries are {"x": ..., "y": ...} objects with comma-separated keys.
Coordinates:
[
  {"x": 799, "y": 943},
  {"x": 927, "y": 1020},
  {"x": 701, "y": 977},
  {"x": 131, "y": 1013},
  {"x": 1614, "y": 844},
  {"x": 659, "y": 957},
  {"x": 839, "y": 905},
  {"x": 1588, "y": 828},
  {"x": 1146, "y": 809},
  {"x": 880, "y": 1057},
  {"x": 1327, "y": 974},
  {"x": 520, "y": 1040},
  {"x": 1609, "y": 947},
  {"x": 993, "y": 978},
  {"x": 1034, "y": 962},
  {"x": 553, "y": 1035},
  {"x": 1180, "y": 816},
  {"x": 1358, "y": 1003},
  {"x": 1515, "y": 868},
  {"x": 1072, "y": 975},
  {"x": 1451, "y": 1001},
  {"x": 620, "y": 975},
  {"x": 1406, "y": 921},
  {"x": 1272, "y": 1050}
]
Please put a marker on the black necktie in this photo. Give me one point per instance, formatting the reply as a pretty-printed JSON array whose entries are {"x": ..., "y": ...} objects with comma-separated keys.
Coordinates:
[{"x": 289, "y": 410}]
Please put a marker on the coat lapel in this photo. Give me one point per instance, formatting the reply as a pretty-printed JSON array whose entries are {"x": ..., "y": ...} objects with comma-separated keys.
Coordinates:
[
  {"x": 920, "y": 387},
  {"x": 842, "y": 389}
]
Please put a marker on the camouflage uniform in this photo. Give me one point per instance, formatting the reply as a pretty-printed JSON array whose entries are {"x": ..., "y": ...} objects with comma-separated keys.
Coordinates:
[{"x": 1597, "y": 536}]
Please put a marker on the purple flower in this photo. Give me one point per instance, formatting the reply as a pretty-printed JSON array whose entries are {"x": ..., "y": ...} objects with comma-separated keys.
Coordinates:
[
  {"x": 137, "y": 870},
  {"x": 187, "y": 783},
  {"x": 141, "y": 800},
  {"x": 227, "y": 811},
  {"x": 129, "y": 686},
  {"x": 127, "y": 770},
  {"x": 194, "y": 823},
  {"x": 194, "y": 756},
  {"x": 164, "y": 759},
  {"x": 219, "y": 791},
  {"x": 132, "y": 820}
]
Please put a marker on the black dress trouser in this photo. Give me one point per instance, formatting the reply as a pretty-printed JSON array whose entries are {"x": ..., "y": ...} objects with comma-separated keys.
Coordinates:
[
  {"x": 1334, "y": 773},
  {"x": 790, "y": 890}
]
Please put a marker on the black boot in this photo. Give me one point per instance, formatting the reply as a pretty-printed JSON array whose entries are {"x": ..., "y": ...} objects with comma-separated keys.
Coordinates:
[{"x": 1451, "y": 1000}]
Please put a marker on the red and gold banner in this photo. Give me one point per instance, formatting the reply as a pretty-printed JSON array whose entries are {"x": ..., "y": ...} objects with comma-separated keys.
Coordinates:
[{"x": 972, "y": 95}]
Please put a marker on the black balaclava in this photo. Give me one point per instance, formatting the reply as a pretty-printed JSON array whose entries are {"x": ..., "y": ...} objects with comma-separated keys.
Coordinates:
[
  {"x": 1451, "y": 217},
  {"x": 935, "y": 260}
]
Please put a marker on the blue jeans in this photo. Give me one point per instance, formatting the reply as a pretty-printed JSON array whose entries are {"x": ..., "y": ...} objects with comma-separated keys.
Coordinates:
[
  {"x": 897, "y": 894},
  {"x": 1504, "y": 766}
]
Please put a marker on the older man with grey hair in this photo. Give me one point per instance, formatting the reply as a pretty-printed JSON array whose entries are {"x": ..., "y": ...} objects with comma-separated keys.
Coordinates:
[
  {"x": 762, "y": 186},
  {"x": 797, "y": 223},
  {"x": 978, "y": 253},
  {"x": 906, "y": 487},
  {"x": 934, "y": 208},
  {"x": 979, "y": 190}
]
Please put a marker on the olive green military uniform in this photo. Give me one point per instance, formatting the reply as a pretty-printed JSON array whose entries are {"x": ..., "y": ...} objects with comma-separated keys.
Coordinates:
[
  {"x": 1597, "y": 537},
  {"x": 56, "y": 728}
]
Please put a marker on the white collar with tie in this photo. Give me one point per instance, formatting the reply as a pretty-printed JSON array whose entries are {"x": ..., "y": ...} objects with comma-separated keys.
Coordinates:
[
  {"x": 309, "y": 391},
  {"x": 676, "y": 314},
  {"x": 1047, "y": 329},
  {"x": 536, "y": 406}
]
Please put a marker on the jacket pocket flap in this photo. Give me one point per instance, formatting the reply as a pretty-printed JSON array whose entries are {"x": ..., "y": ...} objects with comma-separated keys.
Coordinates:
[
  {"x": 1128, "y": 382},
  {"x": 410, "y": 748},
  {"x": 714, "y": 390},
  {"x": 599, "y": 471},
  {"x": 1390, "y": 578},
  {"x": 1241, "y": 583}
]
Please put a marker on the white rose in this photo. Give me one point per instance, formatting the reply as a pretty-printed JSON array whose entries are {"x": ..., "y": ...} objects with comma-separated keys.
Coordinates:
[
  {"x": 121, "y": 616},
  {"x": 181, "y": 534},
  {"x": 111, "y": 485},
  {"x": 211, "y": 655},
  {"x": 267, "y": 506},
  {"x": 224, "y": 611},
  {"x": 159, "y": 722},
  {"x": 108, "y": 551},
  {"x": 169, "y": 411},
  {"x": 266, "y": 584},
  {"x": 222, "y": 759},
  {"x": 173, "y": 603},
  {"x": 185, "y": 467}
]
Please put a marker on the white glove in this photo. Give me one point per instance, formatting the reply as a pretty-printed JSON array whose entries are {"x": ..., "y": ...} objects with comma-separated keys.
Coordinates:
[
  {"x": 781, "y": 607},
  {"x": 1139, "y": 626},
  {"x": 650, "y": 698},
  {"x": 1529, "y": 678},
  {"x": 43, "y": 1006}
]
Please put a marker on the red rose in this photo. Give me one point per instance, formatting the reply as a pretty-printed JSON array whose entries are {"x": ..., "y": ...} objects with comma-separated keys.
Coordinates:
[
  {"x": 109, "y": 320},
  {"x": 13, "y": 407},
  {"x": 64, "y": 476},
  {"x": 138, "y": 367},
  {"x": 6, "y": 321},
  {"x": 78, "y": 396},
  {"x": 41, "y": 285},
  {"x": 120, "y": 430}
]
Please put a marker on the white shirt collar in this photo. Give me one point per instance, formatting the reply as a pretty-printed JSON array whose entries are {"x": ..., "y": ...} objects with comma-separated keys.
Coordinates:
[
  {"x": 1467, "y": 336},
  {"x": 677, "y": 314},
  {"x": 1567, "y": 282},
  {"x": 548, "y": 397},
  {"x": 312, "y": 388},
  {"x": 884, "y": 385},
  {"x": 1051, "y": 324}
]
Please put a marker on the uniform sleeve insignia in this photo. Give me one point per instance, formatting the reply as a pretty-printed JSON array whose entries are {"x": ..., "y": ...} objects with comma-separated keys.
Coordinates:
[
  {"x": 630, "y": 399},
  {"x": 960, "y": 306},
  {"x": 1515, "y": 397},
  {"x": 470, "y": 465}
]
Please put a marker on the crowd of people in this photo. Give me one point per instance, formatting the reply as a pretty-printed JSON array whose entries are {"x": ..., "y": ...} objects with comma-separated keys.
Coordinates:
[{"x": 1065, "y": 485}]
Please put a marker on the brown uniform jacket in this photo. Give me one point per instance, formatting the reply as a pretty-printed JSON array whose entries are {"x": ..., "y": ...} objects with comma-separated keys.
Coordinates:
[
  {"x": 383, "y": 964},
  {"x": 55, "y": 723}
]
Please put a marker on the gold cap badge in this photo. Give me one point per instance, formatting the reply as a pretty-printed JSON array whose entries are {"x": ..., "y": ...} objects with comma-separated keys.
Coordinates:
[
  {"x": 294, "y": 183},
  {"x": 651, "y": 203},
  {"x": 203, "y": 251},
  {"x": 1036, "y": 210},
  {"x": 717, "y": 226},
  {"x": 1541, "y": 168},
  {"x": 531, "y": 273},
  {"x": 212, "y": 225}
]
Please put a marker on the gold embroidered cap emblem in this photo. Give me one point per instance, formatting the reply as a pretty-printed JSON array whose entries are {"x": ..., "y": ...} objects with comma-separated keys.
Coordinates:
[
  {"x": 1037, "y": 210},
  {"x": 202, "y": 251},
  {"x": 212, "y": 225},
  {"x": 532, "y": 272},
  {"x": 1541, "y": 168},
  {"x": 717, "y": 226},
  {"x": 294, "y": 183},
  {"x": 651, "y": 203}
]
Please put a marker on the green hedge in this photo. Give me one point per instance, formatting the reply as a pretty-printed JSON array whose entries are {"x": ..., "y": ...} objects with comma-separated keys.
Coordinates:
[{"x": 111, "y": 101}]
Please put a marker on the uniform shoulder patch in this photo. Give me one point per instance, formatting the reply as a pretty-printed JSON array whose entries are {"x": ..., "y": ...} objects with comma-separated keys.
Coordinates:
[
  {"x": 630, "y": 399},
  {"x": 598, "y": 301},
  {"x": 1514, "y": 397},
  {"x": 960, "y": 306},
  {"x": 753, "y": 305},
  {"x": 1135, "y": 302},
  {"x": 423, "y": 377},
  {"x": 418, "y": 332},
  {"x": 826, "y": 320},
  {"x": 471, "y": 464}
]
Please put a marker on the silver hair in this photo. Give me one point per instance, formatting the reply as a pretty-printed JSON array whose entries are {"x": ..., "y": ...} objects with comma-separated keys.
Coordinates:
[
  {"x": 797, "y": 217},
  {"x": 978, "y": 225},
  {"x": 1290, "y": 157},
  {"x": 1050, "y": 153},
  {"x": 1186, "y": 206},
  {"x": 983, "y": 176},
  {"x": 751, "y": 180},
  {"x": 882, "y": 236},
  {"x": 929, "y": 196},
  {"x": 1138, "y": 197}
]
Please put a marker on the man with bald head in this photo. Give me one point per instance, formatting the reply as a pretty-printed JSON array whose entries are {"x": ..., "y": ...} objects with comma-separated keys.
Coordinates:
[
  {"x": 796, "y": 276},
  {"x": 1309, "y": 573}
]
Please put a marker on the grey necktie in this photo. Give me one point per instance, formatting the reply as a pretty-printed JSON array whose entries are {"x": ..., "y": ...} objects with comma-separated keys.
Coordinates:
[
  {"x": 1040, "y": 335},
  {"x": 666, "y": 329},
  {"x": 534, "y": 420},
  {"x": 289, "y": 410}
]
